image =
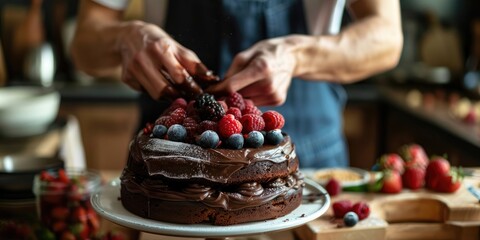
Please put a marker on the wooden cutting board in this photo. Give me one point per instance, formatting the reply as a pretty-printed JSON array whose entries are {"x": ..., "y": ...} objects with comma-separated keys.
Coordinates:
[{"x": 418, "y": 214}]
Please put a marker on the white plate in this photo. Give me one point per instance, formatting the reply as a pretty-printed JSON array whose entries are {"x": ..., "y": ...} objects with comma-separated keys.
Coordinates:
[
  {"x": 106, "y": 203},
  {"x": 364, "y": 176}
]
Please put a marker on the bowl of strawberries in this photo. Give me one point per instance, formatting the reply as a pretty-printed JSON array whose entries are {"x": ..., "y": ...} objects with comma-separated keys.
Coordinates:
[{"x": 63, "y": 202}]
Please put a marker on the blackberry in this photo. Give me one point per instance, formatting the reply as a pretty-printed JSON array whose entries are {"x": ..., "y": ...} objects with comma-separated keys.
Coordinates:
[{"x": 209, "y": 108}]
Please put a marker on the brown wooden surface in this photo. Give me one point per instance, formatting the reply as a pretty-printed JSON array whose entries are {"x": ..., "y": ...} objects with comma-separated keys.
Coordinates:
[{"x": 418, "y": 214}]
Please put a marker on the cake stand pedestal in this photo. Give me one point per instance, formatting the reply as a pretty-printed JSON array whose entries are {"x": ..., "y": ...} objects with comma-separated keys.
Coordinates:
[{"x": 107, "y": 204}]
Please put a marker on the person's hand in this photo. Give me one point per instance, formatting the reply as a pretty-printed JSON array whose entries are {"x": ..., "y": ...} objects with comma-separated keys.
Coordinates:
[
  {"x": 262, "y": 73},
  {"x": 154, "y": 62}
]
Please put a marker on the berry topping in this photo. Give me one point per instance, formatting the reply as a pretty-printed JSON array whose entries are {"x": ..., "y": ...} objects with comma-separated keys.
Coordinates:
[
  {"x": 254, "y": 139},
  {"x": 179, "y": 103},
  {"x": 333, "y": 187},
  {"x": 273, "y": 120},
  {"x": 178, "y": 115},
  {"x": 208, "y": 125},
  {"x": 235, "y": 141},
  {"x": 251, "y": 122},
  {"x": 208, "y": 139},
  {"x": 166, "y": 121},
  {"x": 224, "y": 105},
  {"x": 235, "y": 112},
  {"x": 176, "y": 133},
  {"x": 228, "y": 125},
  {"x": 350, "y": 219},
  {"x": 274, "y": 137},
  {"x": 250, "y": 109},
  {"x": 248, "y": 102},
  {"x": 148, "y": 128},
  {"x": 235, "y": 100},
  {"x": 159, "y": 131},
  {"x": 361, "y": 209},
  {"x": 340, "y": 208},
  {"x": 209, "y": 108}
]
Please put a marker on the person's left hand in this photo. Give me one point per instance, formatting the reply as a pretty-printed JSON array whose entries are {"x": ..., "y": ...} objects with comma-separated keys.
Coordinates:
[{"x": 261, "y": 73}]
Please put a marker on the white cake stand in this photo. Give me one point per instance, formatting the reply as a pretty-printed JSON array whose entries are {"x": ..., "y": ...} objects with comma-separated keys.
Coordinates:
[{"x": 106, "y": 203}]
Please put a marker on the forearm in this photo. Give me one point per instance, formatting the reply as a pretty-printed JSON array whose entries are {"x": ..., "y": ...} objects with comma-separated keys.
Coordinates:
[
  {"x": 94, "y": 47},
  {"x": 366, "y": 47}
]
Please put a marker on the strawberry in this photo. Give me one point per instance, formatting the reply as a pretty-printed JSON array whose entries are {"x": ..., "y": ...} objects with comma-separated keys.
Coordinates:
[
  {"x": 333, "y": 187},
  {"x": 59, "y": 213},
  {"x": 413, "y": 178},
  {"x": 436, "y": 167},
  {"x": 392, "y": 182},
  {"x": 414, "y": 155},
  {"x": 62, "y": 176},
  {"x": 340, "y": 208},
  {"x": 450, "y": 182},
  {"x": 392, "y": 161},
  {"x": 79, "y": 214},
  {"x": 361, "y": 209},
  {"x": 46, "y": 176}
]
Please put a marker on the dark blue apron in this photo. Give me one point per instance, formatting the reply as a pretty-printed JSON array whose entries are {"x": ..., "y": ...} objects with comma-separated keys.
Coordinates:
[{"x": 217, "y": 30}]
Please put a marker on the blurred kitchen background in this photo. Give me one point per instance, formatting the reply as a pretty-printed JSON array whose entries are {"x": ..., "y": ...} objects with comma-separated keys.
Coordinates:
[{"x": 432, "y": 97}]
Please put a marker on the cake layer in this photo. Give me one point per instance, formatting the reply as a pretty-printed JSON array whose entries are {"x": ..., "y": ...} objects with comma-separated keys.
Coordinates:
[
  {"x": 249, "y": 203},
  {"x": 155, "y": 157}
]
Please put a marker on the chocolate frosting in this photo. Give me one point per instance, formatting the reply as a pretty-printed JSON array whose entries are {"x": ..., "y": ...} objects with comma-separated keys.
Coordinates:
[
  {"x": 243, "y": 196},
  {"x": 179, "y": 160}
]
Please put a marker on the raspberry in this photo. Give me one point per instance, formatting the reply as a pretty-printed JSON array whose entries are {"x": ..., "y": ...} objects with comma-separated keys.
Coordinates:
[
  {"x": 235, "y": 112},
  {"x": 340, "y": 208},
  {"x": 361, "y": 209},
  {"x": 333, "y": 187},
  {"x": 252, "y": 122},
  {"x": 148, "y": 128},
  {"x": 178, "y": 115},
  {"x": 248, "y": 102},
  {"x": 166, "y": 121},
  {"x": 224, "y": 105},
  {"x": 273, "y": 120},
  {"x": 191, "y": 110},
  {"x": 208, "y": 125},
  {"x": 228, "y": 125},
  {"x": 250, "y": 109},
  {"x": 192, "y": 128},
  {"x": 179, "y": 103},
  {"x": 235, "y": 100}
]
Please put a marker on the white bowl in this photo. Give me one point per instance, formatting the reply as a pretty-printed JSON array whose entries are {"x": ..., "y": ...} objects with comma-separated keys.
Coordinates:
[{"x": 26, "y": 110}]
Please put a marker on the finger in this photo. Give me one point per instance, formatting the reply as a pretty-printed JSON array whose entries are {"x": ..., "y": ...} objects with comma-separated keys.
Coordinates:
[
  {"x": 239, "y": 62},
  {"x": 255, "y": 71},
  {"x": 132, "y": 83},
  {"x": 152, "y": 81},
  {"x": 181, "y": 78}
]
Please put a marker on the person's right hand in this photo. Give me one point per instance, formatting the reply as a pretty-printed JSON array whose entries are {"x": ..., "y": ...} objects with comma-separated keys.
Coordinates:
[{"x": 154, "y": 62}]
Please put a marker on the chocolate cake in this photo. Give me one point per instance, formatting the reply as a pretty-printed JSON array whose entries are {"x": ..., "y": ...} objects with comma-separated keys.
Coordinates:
[{"x": 190, "y": 180}]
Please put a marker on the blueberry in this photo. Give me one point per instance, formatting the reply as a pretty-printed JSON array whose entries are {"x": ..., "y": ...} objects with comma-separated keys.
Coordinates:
[
  {"x": 274, "y": 137},
  {"x": 254, "y": 139},
  {"x": 177, "y": 133},
  {"x": 159, "y": 131},
  {"x": 208, "y": 139},
  {"x": 350, "y": 219},
  {"x": 235, "y": 141}
]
